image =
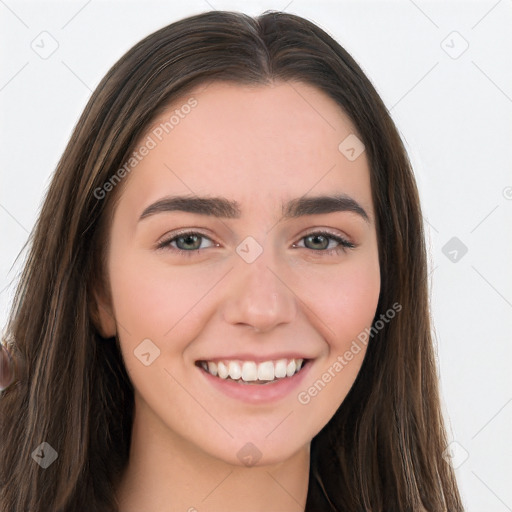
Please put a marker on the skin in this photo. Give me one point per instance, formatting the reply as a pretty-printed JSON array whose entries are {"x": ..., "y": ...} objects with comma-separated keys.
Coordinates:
[{"x": 260, "y": 146}]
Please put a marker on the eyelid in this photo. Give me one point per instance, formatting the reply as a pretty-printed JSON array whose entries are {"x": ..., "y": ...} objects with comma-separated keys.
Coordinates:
[
  {"x": 164, "y": 242},
  {"x": 343, "y": 240},
  {"x": 328, "y": 231}
]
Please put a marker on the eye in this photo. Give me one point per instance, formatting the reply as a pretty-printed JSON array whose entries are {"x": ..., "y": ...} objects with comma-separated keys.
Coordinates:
[
  {"x": 322, "y": 239},
  {"x": 189, "y": 242}
]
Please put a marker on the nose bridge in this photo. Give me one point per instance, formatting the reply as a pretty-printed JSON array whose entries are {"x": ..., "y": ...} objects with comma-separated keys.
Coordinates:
[{"x": 258, "y": 295}]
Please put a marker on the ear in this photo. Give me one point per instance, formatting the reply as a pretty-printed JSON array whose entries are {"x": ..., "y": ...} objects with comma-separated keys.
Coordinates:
[{"x": 102, "y": 314}]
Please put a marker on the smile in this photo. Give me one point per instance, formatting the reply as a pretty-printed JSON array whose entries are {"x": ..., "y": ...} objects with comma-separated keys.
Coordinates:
[
  {"x": 255, "y": 379},
  {"x": 251, "y": 372}
]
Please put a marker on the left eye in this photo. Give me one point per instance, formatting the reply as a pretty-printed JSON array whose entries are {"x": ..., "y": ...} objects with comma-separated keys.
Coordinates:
[
  {"x": 319, "y": 238},
  {"x": 190, "y": 242}
]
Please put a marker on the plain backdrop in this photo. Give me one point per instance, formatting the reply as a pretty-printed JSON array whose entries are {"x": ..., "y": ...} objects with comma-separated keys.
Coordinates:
[{"x": 443, "y": 69}]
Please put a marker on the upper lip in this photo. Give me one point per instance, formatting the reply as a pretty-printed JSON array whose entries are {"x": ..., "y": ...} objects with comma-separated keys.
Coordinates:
[{"x": 257, "y": 358}]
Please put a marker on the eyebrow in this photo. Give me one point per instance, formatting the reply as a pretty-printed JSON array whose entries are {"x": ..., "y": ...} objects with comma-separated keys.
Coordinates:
[{"x": 222, "y": 207}]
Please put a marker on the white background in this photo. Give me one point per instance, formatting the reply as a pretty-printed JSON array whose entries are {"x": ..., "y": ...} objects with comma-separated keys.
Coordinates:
[{"x": 454, "y": 114}]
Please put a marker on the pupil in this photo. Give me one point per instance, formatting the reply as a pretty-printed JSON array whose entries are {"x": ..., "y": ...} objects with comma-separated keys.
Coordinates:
[
  {"x": 187, "y": 239},
  {"x": 317, "y": 237}
]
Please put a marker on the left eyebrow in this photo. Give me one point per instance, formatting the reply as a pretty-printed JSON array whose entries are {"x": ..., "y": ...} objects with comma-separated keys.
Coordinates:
[{"x": 222, "y": 207}]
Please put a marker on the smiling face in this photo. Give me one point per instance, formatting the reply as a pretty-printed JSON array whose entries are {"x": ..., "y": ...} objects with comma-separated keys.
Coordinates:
[{"x": 268, "y": 282}]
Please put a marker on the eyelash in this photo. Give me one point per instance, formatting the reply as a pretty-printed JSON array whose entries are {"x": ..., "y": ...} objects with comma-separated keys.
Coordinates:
[{"x": 343, "y": 246}]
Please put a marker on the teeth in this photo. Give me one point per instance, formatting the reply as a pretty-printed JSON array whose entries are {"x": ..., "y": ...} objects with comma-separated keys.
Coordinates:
[
  {"x": 290, "y": 368},
  {"x": 235, "y": 372},
  {"x": 266, "y": 371},
  {"x": 280, "y": 369},
  {"x": 223, "y": 370},
  {"x": 212, "y": 368},
  {"x": 250, "y": 371}
]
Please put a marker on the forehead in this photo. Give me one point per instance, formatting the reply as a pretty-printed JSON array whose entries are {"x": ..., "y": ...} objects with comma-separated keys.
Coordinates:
[{"x": 256, "y": 144}]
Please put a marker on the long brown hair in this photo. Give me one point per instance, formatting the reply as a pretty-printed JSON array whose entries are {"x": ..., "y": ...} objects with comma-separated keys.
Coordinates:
[{"x": 381, "y": 451}]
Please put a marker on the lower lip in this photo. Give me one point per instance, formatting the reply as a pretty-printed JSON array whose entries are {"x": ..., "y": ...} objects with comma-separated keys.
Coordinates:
[{"x": 258, "y": 393}]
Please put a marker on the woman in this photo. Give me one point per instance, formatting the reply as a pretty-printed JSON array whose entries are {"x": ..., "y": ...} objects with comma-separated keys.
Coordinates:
[{"x": 259, "y": 371}]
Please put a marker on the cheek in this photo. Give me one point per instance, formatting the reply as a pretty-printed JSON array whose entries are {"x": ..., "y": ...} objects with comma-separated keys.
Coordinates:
[
  {"x": 345, "y": 299},
  {"x": 346, "y": 302},
  {"x": 149, "y": 299},
  {"x": 355, "y": 301}
]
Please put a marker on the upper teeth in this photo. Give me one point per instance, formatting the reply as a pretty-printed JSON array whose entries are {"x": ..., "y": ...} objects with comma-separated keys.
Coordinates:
[{"x": 250, "y": 371}]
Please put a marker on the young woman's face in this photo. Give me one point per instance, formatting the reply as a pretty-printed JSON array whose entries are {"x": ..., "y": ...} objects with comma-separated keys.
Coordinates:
[{"x": 244, "y": 281}]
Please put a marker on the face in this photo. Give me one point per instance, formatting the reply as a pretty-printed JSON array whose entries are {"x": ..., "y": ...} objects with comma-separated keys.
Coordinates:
[{"x": 237, "y": 319}]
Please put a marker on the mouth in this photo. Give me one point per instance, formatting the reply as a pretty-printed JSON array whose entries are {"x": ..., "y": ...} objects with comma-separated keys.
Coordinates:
[{"x": 254, "y": 373}]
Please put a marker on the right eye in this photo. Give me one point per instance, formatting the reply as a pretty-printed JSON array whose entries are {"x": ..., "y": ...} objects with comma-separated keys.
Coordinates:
[{"x": 192, "y": 239}]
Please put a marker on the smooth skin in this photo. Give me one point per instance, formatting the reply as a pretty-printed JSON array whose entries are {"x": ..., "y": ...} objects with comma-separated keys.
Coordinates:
[{"x": 260, "y": 146}]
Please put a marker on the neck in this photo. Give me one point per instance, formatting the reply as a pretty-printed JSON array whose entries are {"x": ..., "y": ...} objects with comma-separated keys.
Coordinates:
[{"x": 166, "y": 473}]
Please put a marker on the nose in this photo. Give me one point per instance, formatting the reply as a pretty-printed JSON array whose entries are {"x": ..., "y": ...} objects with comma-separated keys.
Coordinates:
[{"x": 259, "y": 295}]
